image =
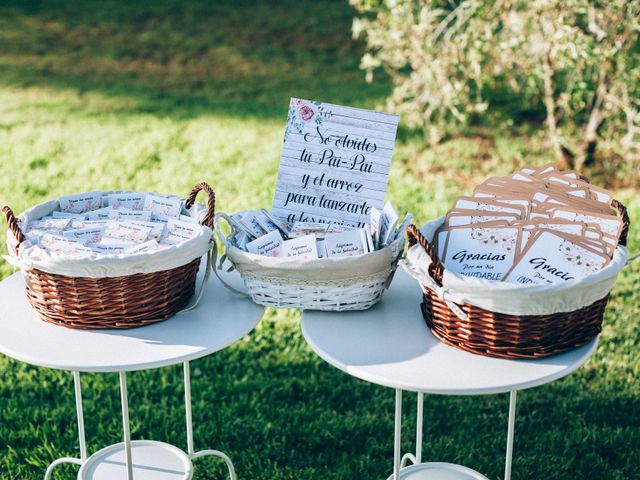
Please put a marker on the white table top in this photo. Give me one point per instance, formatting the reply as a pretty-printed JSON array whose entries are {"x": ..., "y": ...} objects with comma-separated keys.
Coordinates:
[
  {"x": 220, "y": 319},
  {"x": 390, "y": 345}
]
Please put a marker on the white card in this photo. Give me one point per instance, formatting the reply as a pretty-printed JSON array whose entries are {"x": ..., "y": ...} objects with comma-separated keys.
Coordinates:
[
  {"x": 89, "y": 235},
  {"x": 251, "y": 224},
  {"x": 77, "y": 216},
  {"x": 169, "y": 206},
  {"x": 127, "y": 232},
  {"x": 150, "y": 246},
  {"x": 109, "y": 248},
  {"x": 130, "y": 214},
  {"x": 553, "y": 259},
  {"x": 389, "y": 221},
  {"x": 345, "y": 244},
  {"x": 269, "y": 245},
  {"x": 100, "y": 214},
  {"x": 81, "y": 203},
  {"x": 334, "y": 164},
  {"x": 375, "y": 225},
  {"x": 57, "y": 244},
  {"x": 302, "y": 247},
  {"x": 178, "y": 232},
  {"x": 486, "y": 253},
  {"x": 133, "y": 201},
  {"x": 50, "y": 224}
]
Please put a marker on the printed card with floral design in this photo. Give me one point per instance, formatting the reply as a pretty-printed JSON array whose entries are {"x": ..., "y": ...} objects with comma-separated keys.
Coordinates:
[
  {"x": 482, "y": 252},
  {"x": 553, "y": 257},
  {"x": 334, "y": 165}
]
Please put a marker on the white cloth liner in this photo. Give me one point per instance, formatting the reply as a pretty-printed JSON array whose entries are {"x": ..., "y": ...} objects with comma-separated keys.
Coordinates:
[
  {"x": 511, "y": 298},
  {"x": 112, "y": 265}
]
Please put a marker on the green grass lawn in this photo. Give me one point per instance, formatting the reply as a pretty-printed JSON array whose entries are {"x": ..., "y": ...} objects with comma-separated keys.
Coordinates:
[{"x": 106, "y": 95}]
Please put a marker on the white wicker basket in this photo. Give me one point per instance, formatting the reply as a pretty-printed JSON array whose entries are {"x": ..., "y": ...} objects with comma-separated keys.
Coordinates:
[{"x": 336, "y": 284}]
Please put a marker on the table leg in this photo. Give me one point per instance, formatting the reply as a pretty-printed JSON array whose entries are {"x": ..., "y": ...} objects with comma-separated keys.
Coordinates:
[
  {"x": 81, "y": 436},
  {"x": 397, "y": 436},
  {"x": 510, "y": 434},
  {"x": 79, "y": 412},
  {"x": 203, "y": 453},
  {"x": 187, "y": 407},
  {"x": 419, "y": 428},
  {"x": 125, "y": 423}
]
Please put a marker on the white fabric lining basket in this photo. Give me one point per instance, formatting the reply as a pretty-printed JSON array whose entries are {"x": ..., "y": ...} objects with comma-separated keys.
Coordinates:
[
  {"x": 511, "y": 298},
  {"x": 331, "y": 284}
]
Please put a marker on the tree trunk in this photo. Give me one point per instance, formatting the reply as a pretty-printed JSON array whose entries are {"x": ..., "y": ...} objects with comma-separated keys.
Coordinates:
[
  {"x": 590, "y": 139},
  {"x": 563, "y": 154}
]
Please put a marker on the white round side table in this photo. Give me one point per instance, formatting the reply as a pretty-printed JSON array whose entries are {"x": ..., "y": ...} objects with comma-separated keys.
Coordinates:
[
  {"x": 390, "y": 345},
  {"x": 220, "y": 319}
]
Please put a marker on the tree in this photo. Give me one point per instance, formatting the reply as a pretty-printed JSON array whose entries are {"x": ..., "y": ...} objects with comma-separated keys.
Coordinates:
[{"x": 580, "y": 59}]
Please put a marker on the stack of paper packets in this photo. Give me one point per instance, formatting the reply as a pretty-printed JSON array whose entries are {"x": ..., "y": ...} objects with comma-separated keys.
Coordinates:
[
  {"x": 92, "y": 224},
  {"x": 261, "y": 233},
  {"x": 537, "y": 226}
]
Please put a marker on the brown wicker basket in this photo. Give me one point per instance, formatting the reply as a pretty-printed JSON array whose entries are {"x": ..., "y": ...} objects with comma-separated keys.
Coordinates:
[
  {"x": 113, "y": 302},
  {"x": 509, "y": 336}
]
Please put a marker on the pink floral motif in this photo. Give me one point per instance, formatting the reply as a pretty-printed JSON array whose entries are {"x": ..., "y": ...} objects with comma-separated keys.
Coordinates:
[{"x": 306, "y": 113}]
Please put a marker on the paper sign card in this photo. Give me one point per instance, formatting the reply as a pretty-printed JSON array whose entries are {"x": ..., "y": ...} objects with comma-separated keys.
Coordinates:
[
  {"x": 486, "y": 253},
  {"x": 552, "y": 258},
  {"x": 335, "y": 163}
]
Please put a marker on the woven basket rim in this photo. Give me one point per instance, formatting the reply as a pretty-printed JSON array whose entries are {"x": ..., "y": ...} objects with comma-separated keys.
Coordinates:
[
  {"x": 620, "y": 256},
  {"x": 21, "y": 259}
]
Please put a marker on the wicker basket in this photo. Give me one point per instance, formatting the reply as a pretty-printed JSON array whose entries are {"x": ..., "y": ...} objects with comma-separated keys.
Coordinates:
[
  {"x": 112, "y": 302},
  {"x": 330, "y": 284},
  {"x": 502, "y": 335}
]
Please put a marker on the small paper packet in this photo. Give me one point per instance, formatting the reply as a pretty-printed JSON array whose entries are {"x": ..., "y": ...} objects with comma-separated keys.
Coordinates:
[
  {"x": 345, "y": 244},
  {"x": 109, "y": 248},
  {"x": 89, "y": 235},
  {"x": 80, "y": 203},
  {"x": 169, "y": 206},
  {"x": 100, "y": 214},
  {"x": 130, "y": 214},
  {"x": 128, "y": 232},
  {"x": 268, "y": 245},
  {"x": 387, "y": 224},
  {"x": 78, "y": 216},
  {"x": 251, "y": 225},
  {"x": 301, "y": 247},
  {"x": 132, "y": 201},
  {"x": 57, "y": 244},
  {"x": 375, "y": 225},
  {"x": 49, "y": 224},
  {"x": 150, "y": 246},
  {"x": 178, "y": 232}
]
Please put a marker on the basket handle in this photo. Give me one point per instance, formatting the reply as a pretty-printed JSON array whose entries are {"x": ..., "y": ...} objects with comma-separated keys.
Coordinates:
[
  {"x": 211, "y": 202},
  {"x": 13, "y": 225},
  {"x": 626, "y": 221},
  {"x": 436, "y": 268}
]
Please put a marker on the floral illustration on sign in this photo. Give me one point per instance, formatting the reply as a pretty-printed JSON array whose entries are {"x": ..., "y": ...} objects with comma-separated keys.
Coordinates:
[
  {"x": 493, "y": 236},
  {"x": 575, "y": 255},
  {"x": 301, "y": 113}
]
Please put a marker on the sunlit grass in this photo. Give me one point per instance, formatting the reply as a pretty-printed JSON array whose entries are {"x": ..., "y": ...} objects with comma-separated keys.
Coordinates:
[{"x": 159, "y": 96}]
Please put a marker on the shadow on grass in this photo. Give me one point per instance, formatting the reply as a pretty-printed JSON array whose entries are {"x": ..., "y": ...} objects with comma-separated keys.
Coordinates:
[
  {"x": 281, "y": 413},
  {"x": 184, "y": 59}
]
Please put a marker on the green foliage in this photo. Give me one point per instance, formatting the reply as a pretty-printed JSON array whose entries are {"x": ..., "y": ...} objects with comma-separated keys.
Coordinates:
[
  {"x": 161, "y": 95},
  {"x": 578, "y": 59}
]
